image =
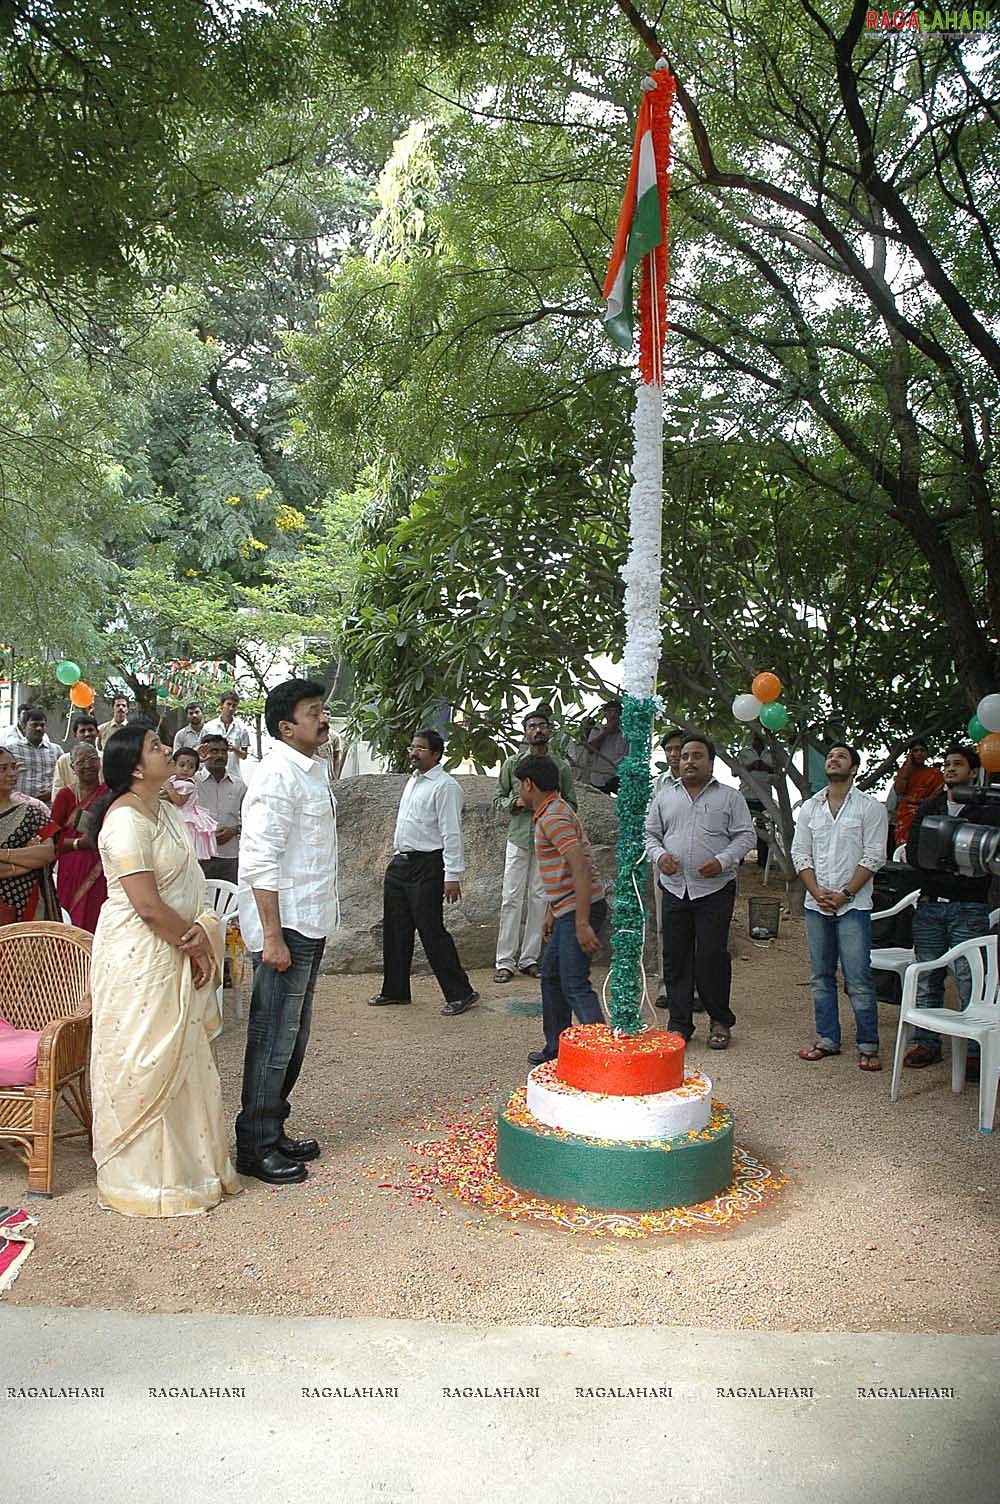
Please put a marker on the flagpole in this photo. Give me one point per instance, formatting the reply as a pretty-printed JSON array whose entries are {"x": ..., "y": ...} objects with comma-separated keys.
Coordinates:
[{"x": 646, "y": 193}]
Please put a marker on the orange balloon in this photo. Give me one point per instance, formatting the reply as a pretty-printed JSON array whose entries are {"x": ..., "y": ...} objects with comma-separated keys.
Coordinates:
[
  {"x": 82, "y": 695},
  {"x": 766, "y": 687},
  {"x": 989, "y": 752}
]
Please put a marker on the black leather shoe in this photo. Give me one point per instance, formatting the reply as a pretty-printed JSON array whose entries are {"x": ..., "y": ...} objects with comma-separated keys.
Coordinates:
[
  {"x": 537, "y": 1057},
  {"x": 273, "y": 1168},
  {"x": 299, "y": 1148},
  {"x": 460, "y": 1005},
  {"x": 378, "y": 1001}
]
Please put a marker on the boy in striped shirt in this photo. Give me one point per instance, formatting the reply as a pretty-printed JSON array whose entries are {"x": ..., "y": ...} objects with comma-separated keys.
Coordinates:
[{"x": 577, "y": 908}]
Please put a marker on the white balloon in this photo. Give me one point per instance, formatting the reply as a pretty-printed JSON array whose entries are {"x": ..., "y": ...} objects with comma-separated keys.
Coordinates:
[
  {"x": 988, "y": 711},
  {"x": 748, "y": 707}
]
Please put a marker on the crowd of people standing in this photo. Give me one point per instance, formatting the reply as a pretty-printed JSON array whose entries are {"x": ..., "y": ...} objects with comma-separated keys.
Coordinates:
[{"x": 134, "y": 827}]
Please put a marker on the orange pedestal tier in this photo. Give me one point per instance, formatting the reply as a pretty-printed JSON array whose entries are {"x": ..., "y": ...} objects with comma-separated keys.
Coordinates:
[{"x": 593, "y": 1058}]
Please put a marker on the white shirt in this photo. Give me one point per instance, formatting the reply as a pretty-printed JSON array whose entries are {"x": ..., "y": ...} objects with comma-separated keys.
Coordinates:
[
  {"x": 237, "y": 734},
  {"x": 288, "y": 845},
  {"x": 430, "y": 818},
  {"x": 833, "y": 848},
  {"x": 223, "y": 799}
]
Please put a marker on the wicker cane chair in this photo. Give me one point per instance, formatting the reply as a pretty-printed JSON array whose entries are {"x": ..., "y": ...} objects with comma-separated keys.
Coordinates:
[{"x": 45, "y": 985}]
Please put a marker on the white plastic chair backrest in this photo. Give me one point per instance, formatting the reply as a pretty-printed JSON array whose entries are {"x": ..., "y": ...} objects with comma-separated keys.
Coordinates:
[
  {"x": 221, "y": 896},
  {"x": 994, "y": 919},
  {"x": 908, "y": 901},
  {"x": 981, "y": 954},
  {"x": 899, "y": 855}
]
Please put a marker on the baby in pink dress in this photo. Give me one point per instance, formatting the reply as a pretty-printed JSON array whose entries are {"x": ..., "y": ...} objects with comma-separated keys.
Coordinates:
[{"x": 180, "y": 788}]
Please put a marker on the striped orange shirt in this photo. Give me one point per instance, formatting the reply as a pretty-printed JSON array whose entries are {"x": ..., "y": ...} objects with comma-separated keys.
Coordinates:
[{"x": 557, "y": 828}]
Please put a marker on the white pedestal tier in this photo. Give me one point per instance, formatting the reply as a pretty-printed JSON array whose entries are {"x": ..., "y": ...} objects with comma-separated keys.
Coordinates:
[{"x": 663, "y": 1115}]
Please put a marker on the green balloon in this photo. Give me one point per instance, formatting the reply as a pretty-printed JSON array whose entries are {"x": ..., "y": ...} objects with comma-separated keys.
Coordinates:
[
  {"x": 67, "y": 672},
  {"x": 976, "y": 729},
  {"x": 773, "y": 716},
  {"x": 161, "y": 691}
]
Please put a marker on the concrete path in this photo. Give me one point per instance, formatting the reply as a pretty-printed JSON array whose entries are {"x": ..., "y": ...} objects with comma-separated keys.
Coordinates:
[{"x": 433, "y": 1426}]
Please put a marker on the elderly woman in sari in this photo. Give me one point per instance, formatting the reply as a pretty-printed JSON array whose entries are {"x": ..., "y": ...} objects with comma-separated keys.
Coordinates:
[
  {"x": 80, "y": 882},
  {"x": 160, "y": 1139},
  {"x": 25, "y": 882}
]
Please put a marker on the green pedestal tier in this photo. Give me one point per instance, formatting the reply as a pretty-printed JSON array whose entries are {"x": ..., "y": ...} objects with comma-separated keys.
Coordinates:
[{"x": 632, "y": 1176}]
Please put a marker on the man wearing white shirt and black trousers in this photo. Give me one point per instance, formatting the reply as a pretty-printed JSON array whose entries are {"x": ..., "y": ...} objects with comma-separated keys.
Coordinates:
[
  {"x": 424, "y": 873},
  {"x": 839, "y": 845},
  {"x": 287, "y": 908}
]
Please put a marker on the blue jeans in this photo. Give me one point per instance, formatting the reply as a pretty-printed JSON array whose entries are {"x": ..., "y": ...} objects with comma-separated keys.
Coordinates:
[
  {"x": 936, "y": 928},
  {"x": 277, "y": 1035},
  {"x": 846, "y": 938},
  {"x": 566, "y": 987}
]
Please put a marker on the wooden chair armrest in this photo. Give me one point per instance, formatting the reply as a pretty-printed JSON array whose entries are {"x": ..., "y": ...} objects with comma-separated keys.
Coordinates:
[{"x": 62, "y": 1045}]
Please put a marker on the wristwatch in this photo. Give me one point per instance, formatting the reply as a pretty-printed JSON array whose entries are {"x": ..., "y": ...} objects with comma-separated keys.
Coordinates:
[{"x": 847, "y": 892}]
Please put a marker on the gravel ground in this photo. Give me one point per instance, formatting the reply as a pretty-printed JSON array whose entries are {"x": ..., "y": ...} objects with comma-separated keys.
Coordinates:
[{"x": 887, "y": 1223}]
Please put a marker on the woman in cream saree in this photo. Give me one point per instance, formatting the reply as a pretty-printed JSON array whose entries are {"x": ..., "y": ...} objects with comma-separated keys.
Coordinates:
[{"x": 160, "y": 1140}]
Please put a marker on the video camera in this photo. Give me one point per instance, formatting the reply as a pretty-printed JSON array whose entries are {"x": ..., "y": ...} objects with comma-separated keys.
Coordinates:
[{"x": 969, "y": 848}]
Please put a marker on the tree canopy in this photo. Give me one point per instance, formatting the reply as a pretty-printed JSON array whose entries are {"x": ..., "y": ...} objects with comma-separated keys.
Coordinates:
[
  {"x": 831, "y": 373},
  {"x": 299, "y": 315}
]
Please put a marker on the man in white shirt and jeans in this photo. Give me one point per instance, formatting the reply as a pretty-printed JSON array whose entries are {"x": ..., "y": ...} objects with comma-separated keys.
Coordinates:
[
  {"x": 287, "y": 908},
  {"x": 428, "y": 860},
  {"x": 839, "y": 845}
]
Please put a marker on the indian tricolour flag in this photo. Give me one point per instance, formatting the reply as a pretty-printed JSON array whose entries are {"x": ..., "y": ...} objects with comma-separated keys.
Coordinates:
[{"x": 640, "y": 230}]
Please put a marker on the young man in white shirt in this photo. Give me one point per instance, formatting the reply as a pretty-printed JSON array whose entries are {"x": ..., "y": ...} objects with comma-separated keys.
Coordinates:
[
  {"x": 839, "y": 845},
  {"x": 237, "y": 733},
  {"x": 423, "y": 875},
  {"x": 287, "y": 908}
]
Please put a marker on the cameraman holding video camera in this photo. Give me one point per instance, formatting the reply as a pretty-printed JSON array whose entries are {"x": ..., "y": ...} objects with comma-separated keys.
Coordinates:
[{"x": 952, "y": 907}]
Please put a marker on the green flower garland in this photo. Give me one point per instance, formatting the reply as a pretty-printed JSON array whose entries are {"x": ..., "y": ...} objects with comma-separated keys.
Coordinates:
[{"x": 634, "y": 789}]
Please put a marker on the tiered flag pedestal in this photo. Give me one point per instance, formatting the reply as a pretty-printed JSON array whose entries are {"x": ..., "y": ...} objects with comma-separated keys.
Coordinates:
[{"x": 616, "y": 1123}]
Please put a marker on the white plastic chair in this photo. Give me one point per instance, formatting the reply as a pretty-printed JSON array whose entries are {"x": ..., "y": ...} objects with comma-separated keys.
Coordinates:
[
  {"x": 222, "y": 898},
  {"x": 895, "y": 957},
  {"x": 979, "y": 1021}
]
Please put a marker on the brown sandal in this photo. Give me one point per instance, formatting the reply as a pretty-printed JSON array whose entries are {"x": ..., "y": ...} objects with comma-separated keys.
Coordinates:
[
  {"x": 869, "y": 1063},
  {"x": 817, "y": 1052}
]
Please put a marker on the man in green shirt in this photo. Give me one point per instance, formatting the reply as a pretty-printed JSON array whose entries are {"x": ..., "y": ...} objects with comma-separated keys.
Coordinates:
[{"x": 517, "y": 951}]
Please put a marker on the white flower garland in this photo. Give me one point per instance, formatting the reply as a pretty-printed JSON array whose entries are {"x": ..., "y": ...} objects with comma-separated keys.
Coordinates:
[{"x": 641, "y": 570}]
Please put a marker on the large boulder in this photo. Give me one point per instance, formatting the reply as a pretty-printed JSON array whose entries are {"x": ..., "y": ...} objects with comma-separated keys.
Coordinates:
[{"x": 366, "y": 818}]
